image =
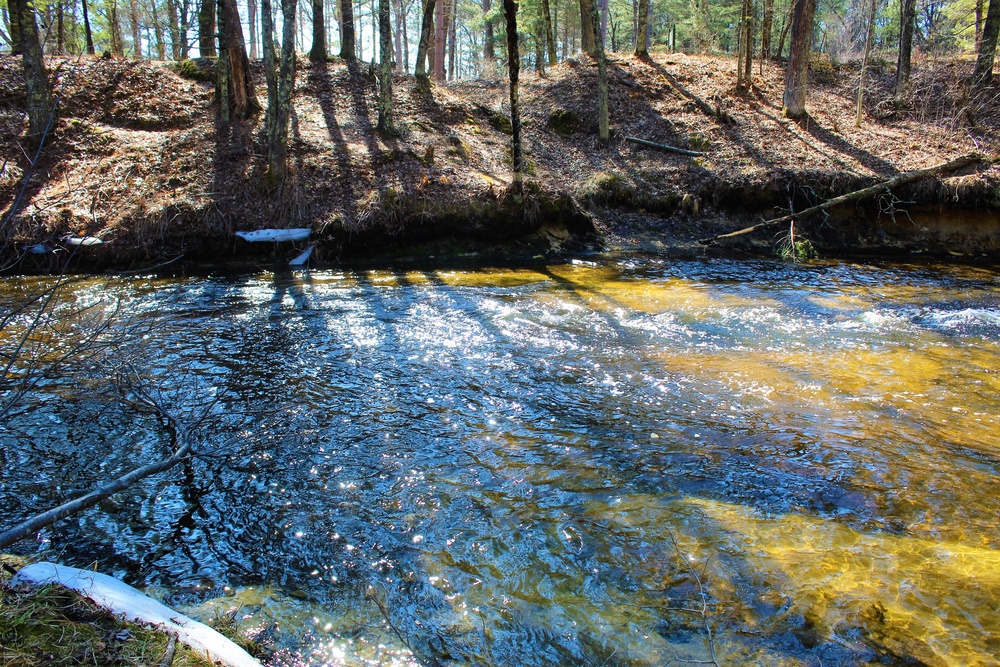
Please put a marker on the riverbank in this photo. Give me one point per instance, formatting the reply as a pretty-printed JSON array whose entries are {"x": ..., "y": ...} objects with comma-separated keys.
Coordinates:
[{"x": 138, "y": 161}]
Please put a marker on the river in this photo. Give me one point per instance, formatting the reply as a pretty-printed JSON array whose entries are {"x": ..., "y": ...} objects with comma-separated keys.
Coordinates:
[{"x": 623, "y": 461}]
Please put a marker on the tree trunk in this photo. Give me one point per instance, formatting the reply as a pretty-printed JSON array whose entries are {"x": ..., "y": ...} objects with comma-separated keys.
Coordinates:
[
  {"x": 426, "y": 28},
  {"x": 36, "y": 79},
  {"x": 983, "y": 74},
  {"x": 15, "y": 27},
  {"x": 386, "y": 123},
  {"x": 979, "y": 24},
  {"x": 604, "y": 129},
  {"x": 280, "y": 85},
  {"x": 784, "y": 33},
  {"x": 86, "y": 29},
  {"x": 513, "y": 69},
  {"x": 640, "y": 39},
  {"x": 175, "y": 31},
  {"x": 587, "y": 30},
  {"x": 765, "y": 30},
  {"x": 346, "y": 30},
  {"x": 550, "y": 40},
  {"x": 318, "y": 52},
  {"x": 603, "y": 6},
  {"x": 206, "y": 29},
  {"x": 252, "y": 28},
  {"x": 239, "y": 98},
  {"x": 440, "y": 39},
  {"x": 115, "y": 28},
  {"x": 864, "y": 63},
  {"x": 161, "y": 52},
  {"x": 133, "y": 19},
  {"x": 185, "y": 20},
  {"x": 489, "y": 57},
  {"x": 453, "y": 41},
  {"x": 907, "y": 20},
  {"x": 60, "y": 30},
  {"x": 744, "y": 63},
  {"x": 797, "y": 75},
  {"x": 398, "y": 35}
]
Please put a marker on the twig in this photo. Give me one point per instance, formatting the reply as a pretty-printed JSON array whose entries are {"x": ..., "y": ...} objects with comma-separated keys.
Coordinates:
[
  {"x": 168, "y": 655},
  {"x": 663, "y": 147}
]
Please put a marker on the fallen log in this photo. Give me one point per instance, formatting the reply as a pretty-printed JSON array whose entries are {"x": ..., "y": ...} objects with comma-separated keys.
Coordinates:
[
  {"x": 663, "y": 147},
  {"x": 883, "y": 186}
]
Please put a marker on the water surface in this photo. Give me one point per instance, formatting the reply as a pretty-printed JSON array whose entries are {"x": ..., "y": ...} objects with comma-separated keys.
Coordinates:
[{"x": 593, "y": 463}]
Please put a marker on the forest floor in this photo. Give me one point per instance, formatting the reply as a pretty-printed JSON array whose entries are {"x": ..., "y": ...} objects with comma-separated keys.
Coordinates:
[{"x": 138, "y": 160}]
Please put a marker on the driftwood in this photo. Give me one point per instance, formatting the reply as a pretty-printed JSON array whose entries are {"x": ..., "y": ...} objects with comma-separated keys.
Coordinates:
[
  {"x": 663, "y": 147},
  {"x": 27, "y": 528},
  {"x": 883, "y": 186}
]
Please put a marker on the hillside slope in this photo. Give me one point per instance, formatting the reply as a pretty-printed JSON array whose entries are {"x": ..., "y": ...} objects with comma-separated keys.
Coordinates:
[{"x": 139, "y": 161}]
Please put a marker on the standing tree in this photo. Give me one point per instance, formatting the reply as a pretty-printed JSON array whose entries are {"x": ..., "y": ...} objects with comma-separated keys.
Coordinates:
[
  {"x": 206, "y": 29},
  {"x": 135, "y": 25},
  {"x": 280, "y": 85},
  {"x": 907, "y": 20},
  {"x": 346, "y": 30},
  {"x": 423, "y": 46},
  {"x": 174, "y": 28},
  {"x": 15, "y": 27},
  {"x": 797, "y": 75},
  {"x": 386, "y": 124},
  {"x": 318, "y": 52},
  {"x": 513, "y": 69},
  {"x": 237, "y": 99},
  {"x": 36, "y": 79},
  {"x": 489, "y": 58},
  {"x": 441, "y": 15},
  {"x": 765, "y": 30},
  {"x": 86, "y": 29},
  {"x": 864, "y": 63},
  {"x": 604, "y": 129},
  {"x": 642, "y": 21},
  {"x": 983, "y": 74},
  {"x": 587, "y": 29},
  {"x": 744, "y": 63},
  {"x": 550, "y": 39}
]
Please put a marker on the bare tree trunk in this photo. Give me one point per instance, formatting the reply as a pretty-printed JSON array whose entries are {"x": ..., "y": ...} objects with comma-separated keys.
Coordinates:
[
  {"x": 161, "y": 49},
  {"x": 252, "y": 28},
  {"x": 587, "y": 29},
  {"x": 318, "y": 52},
  {"x": 206, "y": 29},
  {"x": 744, "y": 67},
  {"x": 550, "y": 40},
  {"x": 765, "y": 30},
  {"x": 641, "y": 23},
  {"x": 36, "y": 78},
  {"x": 15, "y": 27},
  {"x": 489, "y": 58},
  {"x": 237, "y": 99},
  {"x": 440, "y": 39},
  {"x": 347, "y": 49},
  {"x": 603, "y": 5},
  {"x": 115, "y": 28},
  {"x": 60, "y": 30},
  {"x": 604, "y": 129},
  {"x": 174, "y": 28},
  {"x": 386, "y": 123},
  {"x": 784, "y": 32},
  {"x": 864, "y": 63},
  {"x": 133, "y": 19},
  {"x": 280, "y": 86},
  {"x": 979, "y": 24},
  {"x": 513, "y": 69},
  {"x": 398, "y": 35},
  {"x": 452, "y": 41},
  {"x": 86, "y": 29},
  {"x": 907, "y": 20},
  {"x": 426, "y": 29},
  {"x": 983, "y": 74},
  {"x": 185, "y": 19},
  {"x": 797, "y": 75}
]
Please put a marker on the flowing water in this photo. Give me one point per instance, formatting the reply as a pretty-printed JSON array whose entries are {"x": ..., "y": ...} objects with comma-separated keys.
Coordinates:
[{"x": 620, "y": 462}]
